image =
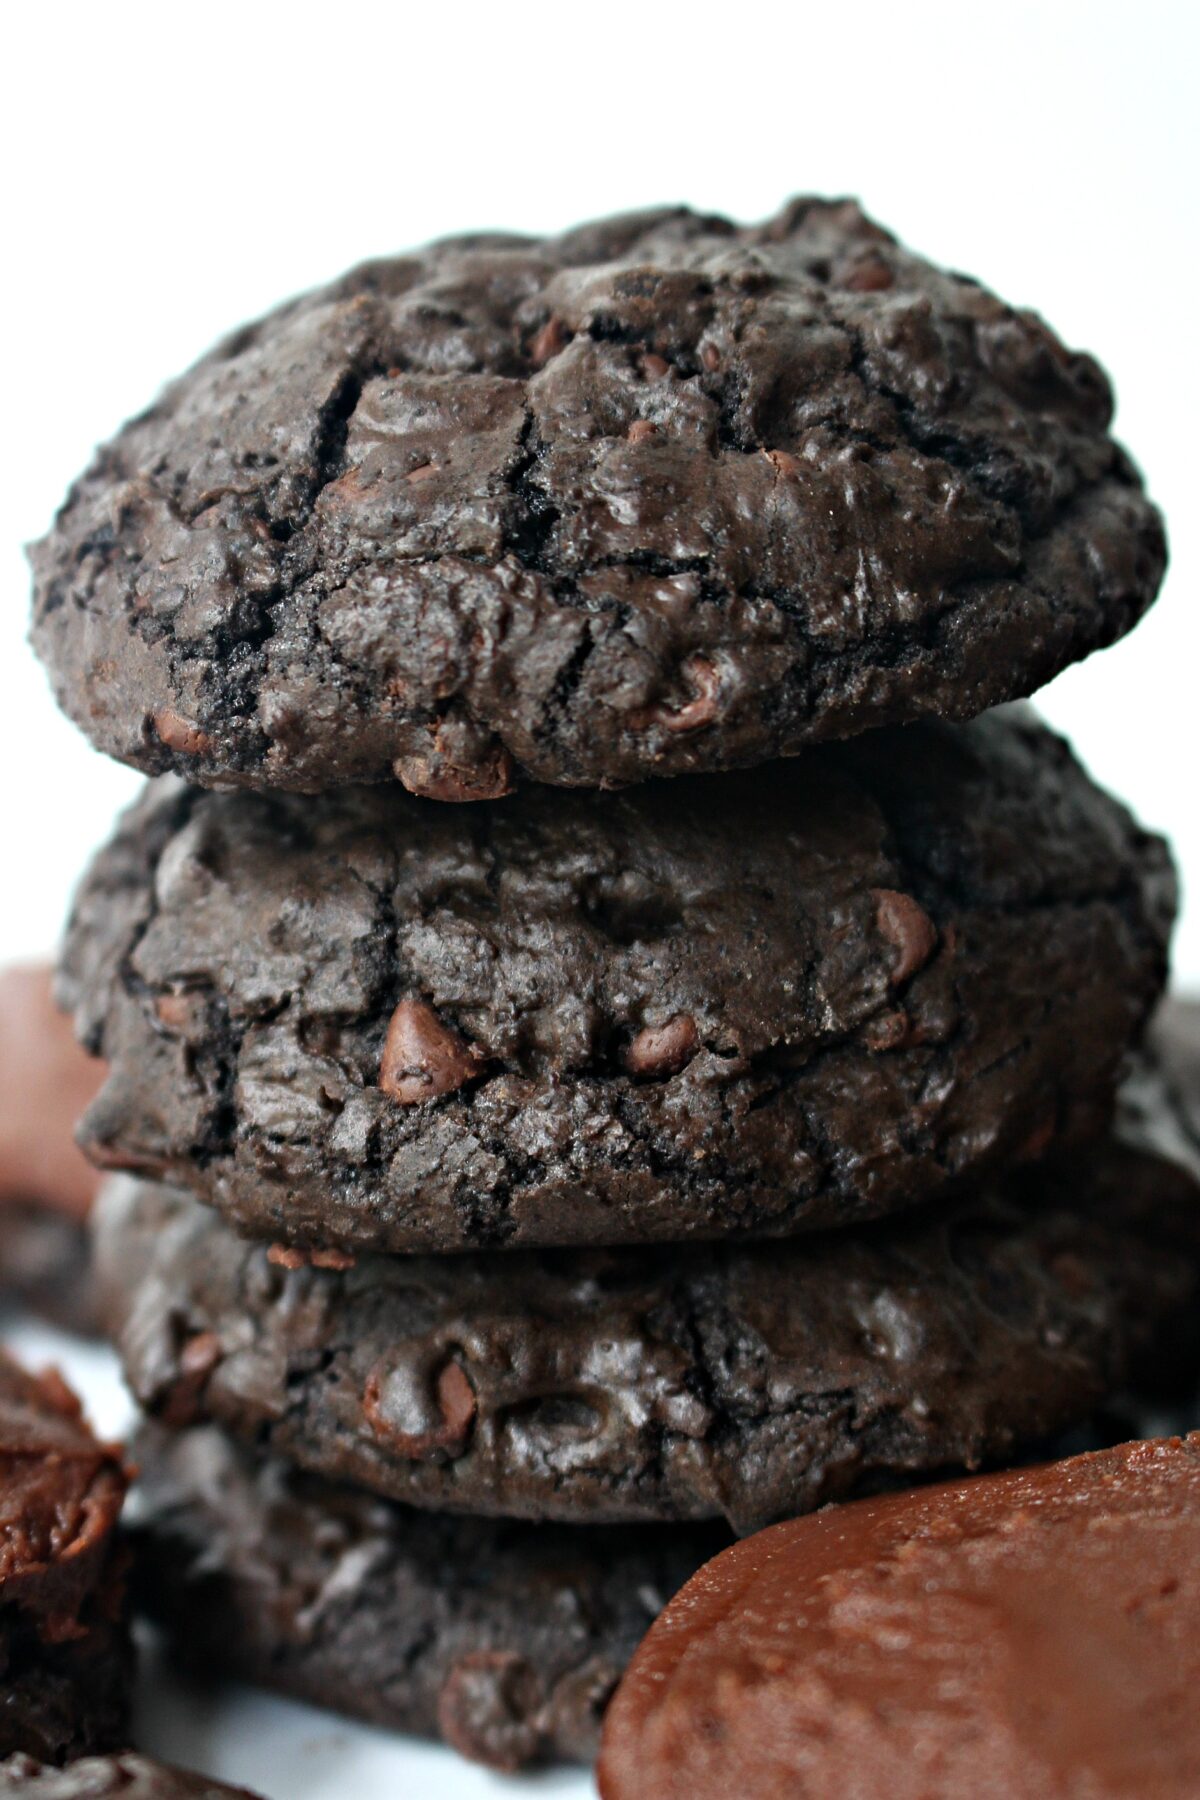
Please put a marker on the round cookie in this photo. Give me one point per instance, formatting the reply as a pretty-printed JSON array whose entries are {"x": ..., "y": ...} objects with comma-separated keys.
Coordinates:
[
  {"x": 106, "y": 1777},
  {"x": 663, "y": 494},
  {"x": 504, "y": 1638},
  {"x": 751, "y": 1004},
  {"x": 65, "y": 1657},
  {"x": 1021, "y": 1635},
  {"x": 753, "y": 1381}
]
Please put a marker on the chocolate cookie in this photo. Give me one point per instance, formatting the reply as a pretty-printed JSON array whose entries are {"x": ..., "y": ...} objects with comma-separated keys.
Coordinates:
[
  {"x": 506, "y": 1639},
  {"x": 46, "y": 1184},
  {"x": 46, "y": 1265},
  {"x": 663, "y": 494},
  {"x": 1028, "y": 1634},
  {"x": 106, "y": 1777},
  {"x": 65, "y": 1659},
  {"x": 747, "y": 1004},
  {"x": 750, "y": 1381}
]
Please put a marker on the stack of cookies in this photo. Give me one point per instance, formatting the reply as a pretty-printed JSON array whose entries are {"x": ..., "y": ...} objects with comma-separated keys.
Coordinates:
[{"x": 543, "y": 1167}]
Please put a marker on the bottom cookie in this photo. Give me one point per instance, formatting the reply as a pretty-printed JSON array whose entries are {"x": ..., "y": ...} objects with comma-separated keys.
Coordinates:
[
  {"x": 506, "y": 1639},
  {"x": 99, "y": 1777}
]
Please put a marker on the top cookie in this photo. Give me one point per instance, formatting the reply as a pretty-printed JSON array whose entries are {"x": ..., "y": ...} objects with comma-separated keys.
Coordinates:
[{"x": 662, "y": 494}]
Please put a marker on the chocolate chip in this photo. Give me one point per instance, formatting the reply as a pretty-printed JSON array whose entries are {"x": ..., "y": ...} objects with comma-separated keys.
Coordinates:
[
  {"x": 908, "y": 928},
  {"x": 285, "y": 1256},
  {"x": 438, "y": 774},
  {"x": 290, "y": 1256},
  {"x": 654, "y": 367},
  {"x": 661, "y": 1050},
  {"x": 890, "y": 1031},
  {"x": 201, "y": 1354},
  {"x": 550, "y": 340},
  {"x": 703, "y": 709},
  {"x": 872, "y": 276},
  {"x": 173, "y": 1010},
  {"x": 417, "y": 1421},
  {"x": 487, "y": 1709},
  {"x": 347, "y": 490},
  {"x": 331, "y": 1259},
  {"x": 784, "y": 463},
  {"x": 641, "y": 431},
  {"x": 423, "y": 1057},
  {"x": 710, "y": 358},
  {"x": 180, "y": 734},
  {"x": 198, "y": 1357}
]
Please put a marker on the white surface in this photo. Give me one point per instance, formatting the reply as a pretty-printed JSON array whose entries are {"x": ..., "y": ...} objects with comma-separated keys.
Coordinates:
[
  {"x": 171, "y": 170},
  {"x": 282, "y": 1750}
]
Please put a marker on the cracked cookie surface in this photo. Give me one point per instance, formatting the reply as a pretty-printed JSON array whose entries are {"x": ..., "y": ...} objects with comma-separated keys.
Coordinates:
[
  {"x": 751, "y": 1381},
  {"x": 748, "y": 1004},
  {"x": 65, "y": 1654},
  {"x": 504, "y": 1638},
  {"x": 663, "y": 494}
]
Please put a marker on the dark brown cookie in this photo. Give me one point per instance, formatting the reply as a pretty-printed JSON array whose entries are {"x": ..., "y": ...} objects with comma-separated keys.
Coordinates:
[
  {"x": 46, "y": 1265},
  {"x": 504, "y": 1638},
  {"x": 742, "y": 1005},
  {"x": 128, "y": 1777},
  {"x": 65, "y": 1660},
  {"x": 661, "y": 495},
  {"x": 1022, "y": 1635},
  {"x": 750, "y": 1381},
  {"x": 66, "y": 1697}
]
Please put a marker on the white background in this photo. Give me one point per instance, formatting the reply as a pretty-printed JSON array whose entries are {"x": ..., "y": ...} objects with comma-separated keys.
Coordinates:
[{"x": 169, "y": 170}]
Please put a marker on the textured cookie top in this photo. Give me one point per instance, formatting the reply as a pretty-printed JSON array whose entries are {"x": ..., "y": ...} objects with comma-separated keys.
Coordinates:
[
  {"x": 60, "y": 1495},
  {"x": 748, "y": 1004},
  {"x": 1020, "y": 1635},
  {"x": 100, "y": 1777},
  {"x": 661, "y": 494}
]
